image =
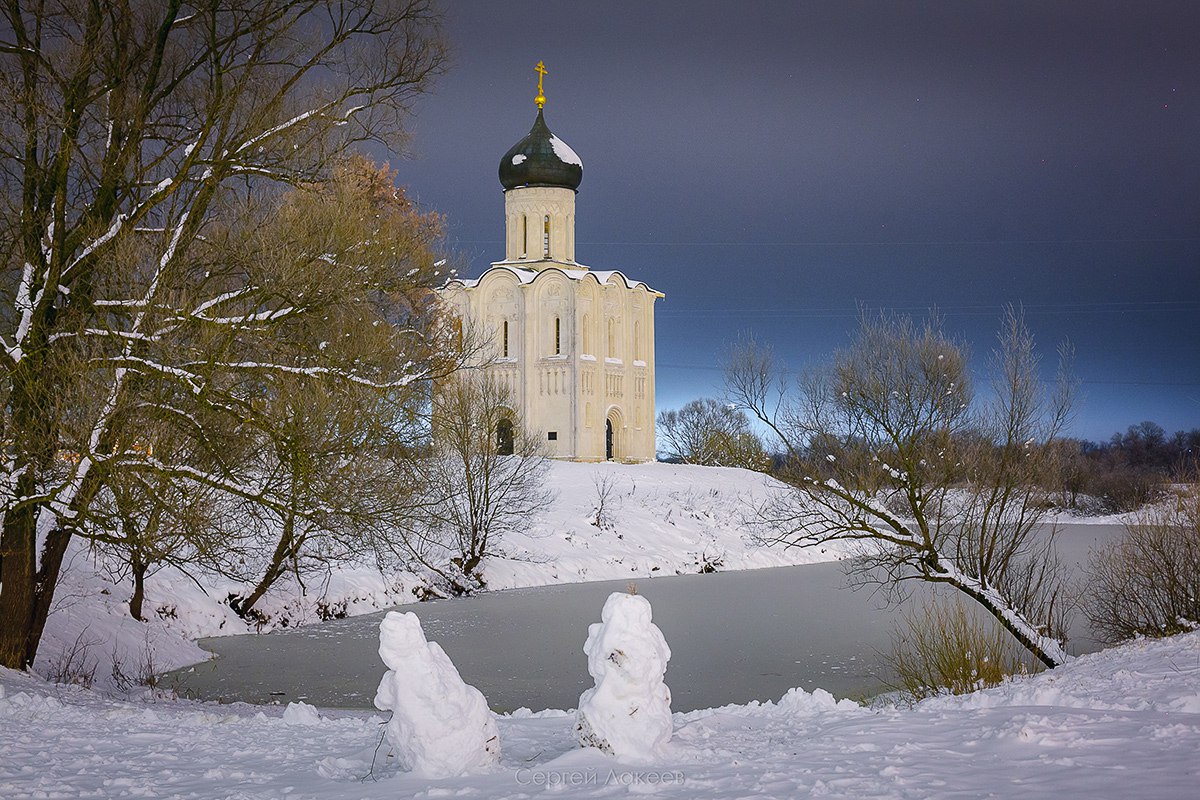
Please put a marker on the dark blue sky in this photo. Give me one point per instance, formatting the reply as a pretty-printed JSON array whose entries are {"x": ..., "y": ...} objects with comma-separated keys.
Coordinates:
[{"x": 773, "y": 166}]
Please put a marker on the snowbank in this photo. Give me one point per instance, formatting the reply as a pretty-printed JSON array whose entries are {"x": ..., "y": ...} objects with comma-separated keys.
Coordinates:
[
  {"x": 1119, "y": 723},
  {"x": 440, "y": 726},
  {"x": 628, "y": 712}
]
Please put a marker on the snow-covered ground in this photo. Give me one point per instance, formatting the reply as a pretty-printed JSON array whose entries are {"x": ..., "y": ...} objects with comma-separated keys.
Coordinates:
[
  {"x": 658, "y": 519},
  {"x": 1123, "y": 723},
  {"x": 1120, "y": 723}
]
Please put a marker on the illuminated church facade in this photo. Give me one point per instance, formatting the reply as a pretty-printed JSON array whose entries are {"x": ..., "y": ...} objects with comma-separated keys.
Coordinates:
[{"x": 573, "y": 346}]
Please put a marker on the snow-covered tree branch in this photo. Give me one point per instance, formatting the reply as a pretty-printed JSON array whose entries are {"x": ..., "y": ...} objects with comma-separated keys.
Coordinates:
[{"x": 145, "y": 150}]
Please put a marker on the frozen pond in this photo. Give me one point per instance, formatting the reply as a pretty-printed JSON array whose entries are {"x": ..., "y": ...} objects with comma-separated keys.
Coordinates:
[{"x": 734, "y": 637}]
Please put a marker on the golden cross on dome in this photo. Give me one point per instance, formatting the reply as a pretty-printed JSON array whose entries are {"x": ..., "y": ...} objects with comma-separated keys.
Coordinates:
[{"x": 541, "y": 71}]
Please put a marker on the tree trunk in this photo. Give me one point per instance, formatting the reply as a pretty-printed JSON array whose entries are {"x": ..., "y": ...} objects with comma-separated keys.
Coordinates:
[
  {"x": 286, "y": 548},
  {"x": 45, "y": 585},
  {"x": 1046, "y": 650},
  {"x": 139, "y": 590},
  {"x": 18, "y": 542}
]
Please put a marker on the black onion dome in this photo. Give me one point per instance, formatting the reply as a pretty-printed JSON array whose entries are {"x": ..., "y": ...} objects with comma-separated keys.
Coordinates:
[{"x": 541, "y": 159}]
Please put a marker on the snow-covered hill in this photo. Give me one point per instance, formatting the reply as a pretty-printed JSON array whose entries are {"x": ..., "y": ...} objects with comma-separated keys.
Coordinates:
[
  {"x": 658, "y": 519},
  {"x": 1119, "y": 723}
]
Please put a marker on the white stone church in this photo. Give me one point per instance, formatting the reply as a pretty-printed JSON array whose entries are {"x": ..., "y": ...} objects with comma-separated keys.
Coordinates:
[{"x": 573, "y": 346}]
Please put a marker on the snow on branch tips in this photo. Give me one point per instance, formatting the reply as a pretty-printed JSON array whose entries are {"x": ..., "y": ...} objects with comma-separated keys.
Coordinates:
[
  {"x": 440, "y": 726},
  {"x": 627, "y": 713}
]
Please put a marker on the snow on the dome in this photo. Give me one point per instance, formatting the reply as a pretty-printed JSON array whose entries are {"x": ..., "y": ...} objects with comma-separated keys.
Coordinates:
[
  {"x": 440, "y": 726},
  {"x": 628, "y": 712},
  {"x": 518, "y": 158},
  {"x": 564, "y": 152}
]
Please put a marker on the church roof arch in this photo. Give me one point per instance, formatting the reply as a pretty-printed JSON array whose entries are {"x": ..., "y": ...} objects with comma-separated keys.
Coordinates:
[{"x": 526, "y": 276}]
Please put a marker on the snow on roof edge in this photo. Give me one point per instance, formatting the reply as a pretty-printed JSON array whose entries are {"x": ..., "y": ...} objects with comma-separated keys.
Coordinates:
[{"x": 526, "y": 276}]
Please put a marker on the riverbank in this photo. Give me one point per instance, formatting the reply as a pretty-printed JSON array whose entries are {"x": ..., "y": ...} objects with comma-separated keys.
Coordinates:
[
  {"x": 735, "y": 637},
  {"x": 657, "y": 519}
]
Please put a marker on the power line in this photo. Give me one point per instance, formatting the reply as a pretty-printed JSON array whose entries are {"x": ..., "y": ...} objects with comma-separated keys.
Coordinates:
[
  {"x": 1087, "y": 382},
  {"x": 1114, "y": 307},
  {"x": 914, "y": 243}
]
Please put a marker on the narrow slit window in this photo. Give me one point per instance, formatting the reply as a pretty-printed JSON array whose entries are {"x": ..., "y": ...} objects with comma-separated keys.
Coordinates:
[
  {"x": 557, "y": 336},
  {"x": 546, "y": 236},
  {"x": 524, "y": 236},
  {"x": 504, "y": 339}
]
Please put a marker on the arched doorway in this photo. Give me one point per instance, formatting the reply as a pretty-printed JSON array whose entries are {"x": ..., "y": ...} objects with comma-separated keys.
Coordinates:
[
  {"x": 614, "y": 448},
  {"x": 504, "y": 437}
]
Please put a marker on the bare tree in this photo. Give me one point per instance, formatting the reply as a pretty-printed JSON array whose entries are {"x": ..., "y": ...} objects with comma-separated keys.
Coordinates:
[
  {"x": 476, "y": 494},
  {"x": 132, "y": 138},
  {"x": 712, "y": 433},
  {"x": 939, "y": 488},
  {"x": 1148, "y": 583},
  {"x": 607, "y": 500}
]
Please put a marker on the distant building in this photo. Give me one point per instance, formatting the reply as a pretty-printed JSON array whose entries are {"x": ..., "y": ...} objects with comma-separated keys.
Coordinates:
[{"x": 573, "y": 346}]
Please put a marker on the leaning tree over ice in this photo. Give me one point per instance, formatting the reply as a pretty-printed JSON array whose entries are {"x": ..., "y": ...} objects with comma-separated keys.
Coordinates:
[
  {"x": 133, "y": 138},
  {"x": 890, "y": 448}
]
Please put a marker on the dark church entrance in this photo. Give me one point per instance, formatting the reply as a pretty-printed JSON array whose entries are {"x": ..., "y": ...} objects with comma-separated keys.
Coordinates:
[
  {"x": 504, "y": 437},
  {"x": 608, "y": 439}
]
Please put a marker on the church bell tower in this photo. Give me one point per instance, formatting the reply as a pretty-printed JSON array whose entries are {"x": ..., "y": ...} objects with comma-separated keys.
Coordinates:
[{"x": 540, "y": 175}]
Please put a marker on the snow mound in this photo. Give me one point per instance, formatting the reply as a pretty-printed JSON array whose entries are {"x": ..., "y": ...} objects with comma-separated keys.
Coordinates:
[
  {"x": 301, "y": 714},
  {"x": 628, "y": 712},
  {"x": 799, "y": 702},
  {"x": 440, "y": 726}
]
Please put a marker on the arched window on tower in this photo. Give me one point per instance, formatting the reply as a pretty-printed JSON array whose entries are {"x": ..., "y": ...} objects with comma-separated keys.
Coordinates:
[
  {"x": 612, "y": 338},
  {"x": 546, "y": 237},
  {"x": 587, "y": 334},
  {"x": 524, "y": 236},
  {"x": 637, "y": 340}
]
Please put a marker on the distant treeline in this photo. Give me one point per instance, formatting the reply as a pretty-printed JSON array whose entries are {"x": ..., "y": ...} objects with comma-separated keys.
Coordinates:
[
  {"x": 1122, "y": 474},
  {"x": 1130, "y": 468}
]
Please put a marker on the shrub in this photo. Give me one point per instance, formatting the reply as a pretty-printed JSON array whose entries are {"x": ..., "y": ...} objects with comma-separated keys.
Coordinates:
[
  {"x": 1148, "y": 583},
  {"x": 943, "y": 648}
]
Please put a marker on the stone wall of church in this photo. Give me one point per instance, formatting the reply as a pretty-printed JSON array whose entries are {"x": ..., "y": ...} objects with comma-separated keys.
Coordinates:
[
  {"x": 575, "y": 355},
  {"x": 616, "y": 365}
]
